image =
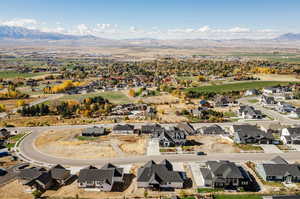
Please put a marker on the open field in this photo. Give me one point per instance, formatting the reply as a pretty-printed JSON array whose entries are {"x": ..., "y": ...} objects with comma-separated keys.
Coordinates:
[
  {"x": 12, "y": 103},
  {"x": 240, "y": 86},
  {"x": 63, "y": 144},
  {"x": 115, "y": 97},
  {"x": 14, "y": 190},
  {"x": 14, "y": 74},
  {"x": 272, "y": 77},
  {"x": 213, "y": 144}
]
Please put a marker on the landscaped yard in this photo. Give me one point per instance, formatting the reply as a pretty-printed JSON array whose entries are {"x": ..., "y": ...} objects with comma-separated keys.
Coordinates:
[
  {"x": 241, "y": 86},
  {"x": 237, "y": 197}
]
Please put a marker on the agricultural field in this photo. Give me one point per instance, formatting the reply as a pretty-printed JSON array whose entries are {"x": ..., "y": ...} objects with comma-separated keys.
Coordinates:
[{"x": 239, "y": 86}]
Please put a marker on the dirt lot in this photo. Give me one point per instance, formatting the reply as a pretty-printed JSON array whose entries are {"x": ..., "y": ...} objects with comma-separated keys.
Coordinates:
[
  {"x": 63, "y": 143},
  {"x": 272, "y": 77},
  {"x": 213, "y": 144},
  {"x": 14, "y": 190},
  {"x": 12, "y": 103}
]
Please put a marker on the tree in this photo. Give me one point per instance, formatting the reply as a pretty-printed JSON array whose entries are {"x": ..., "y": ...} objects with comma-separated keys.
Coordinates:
[
  {"x": 2, "y": 108},
  {"x": 37, "y": 194},
  {"x": 131, "y": 93},
  {"x": 20, "y": 103}
]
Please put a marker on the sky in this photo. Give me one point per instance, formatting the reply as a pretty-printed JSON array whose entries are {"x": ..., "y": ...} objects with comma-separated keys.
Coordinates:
[{"x": 159, "y": 19}]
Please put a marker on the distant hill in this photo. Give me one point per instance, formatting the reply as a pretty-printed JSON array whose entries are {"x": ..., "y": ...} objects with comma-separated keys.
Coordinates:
[
  {"x": 289, "y": 36},
  {"x": 10, "y": 32}
]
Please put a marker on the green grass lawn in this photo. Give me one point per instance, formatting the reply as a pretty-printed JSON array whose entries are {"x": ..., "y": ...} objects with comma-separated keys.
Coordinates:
[
  {"x": 115, "y": 97},
  {"x": 83, "y": 138},
  {"x": 14, "y": 74},
  {"x": 208, "y": 190},
  {"x": 241, "y": 86},
  {"x": 13, "y": 140},
  {"x": 237, "y": 197},
  {"x": 253, "y": 101}
]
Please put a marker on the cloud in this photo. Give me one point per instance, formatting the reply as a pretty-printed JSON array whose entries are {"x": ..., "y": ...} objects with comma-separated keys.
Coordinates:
[
  {"x": 19, "y": 22},
  {"x": 114, "y": 31}
]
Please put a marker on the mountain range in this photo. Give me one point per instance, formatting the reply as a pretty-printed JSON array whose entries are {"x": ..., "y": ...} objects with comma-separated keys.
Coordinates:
[{"x": 10, "y": 35}]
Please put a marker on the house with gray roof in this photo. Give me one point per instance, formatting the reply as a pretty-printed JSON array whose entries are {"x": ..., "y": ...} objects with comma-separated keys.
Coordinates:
[
  {"x": 267, "y": 100},
  {"x": 290, "y": 135},
  {"x": 186, "y": 127},
  {"x": 160, "y": 176},
  {"x": 249, "y": 134},
  {"x": 4, "y": 134},
  {"x": 123, "y": 129},
  {"x": 224, "y": 174},
  {"x": 152, "y": 129},
  {"x": 103, "y": 179},
  {"x": 93, "y": 131},
  {"x": 278, "y": 170},
  {"x": 172, "y": 137},
  {"x": 249, "y": 112},
  {"x": 212, "y": 130},
  {"x": 42, "y": 179}
]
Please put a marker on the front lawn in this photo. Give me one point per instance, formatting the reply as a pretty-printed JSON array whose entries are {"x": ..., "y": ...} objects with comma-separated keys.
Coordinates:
[
  {"x": 208, "y": 190},
  {"x": 249, "y": 147},
  {"x": 237, "y": 197}
]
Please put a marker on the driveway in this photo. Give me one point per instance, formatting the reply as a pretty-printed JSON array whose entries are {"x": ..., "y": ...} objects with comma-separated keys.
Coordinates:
[
  {"x": 153, "y": 147},
  {"x": 270, "y": 148},
  {"x": 197, "y": 175},
  {"x": 295, "y": 146}
]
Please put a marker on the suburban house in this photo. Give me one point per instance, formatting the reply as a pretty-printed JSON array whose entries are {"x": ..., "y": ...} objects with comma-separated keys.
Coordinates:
[
  {"x": 123, "y": 129},
  {"x": 284, "y": 107},
  {"x": 93, "y": 131},
  {"x": 42, "y": 179},
  {"x": 160, "y": 176},
  {"x": 249, "y": 134},
  {"x": 198, "y": 112},
  {"x": 4, "y": 134},
  {"x": 276, "y": 89},
  {"x": 279, "y": 171},
  {"x": 248, "y": 112},
  {"x": 212, "y": 130},
  {"x": 295, "y": 113},
  {"x": 187, "y": 128},
  {"x": 251, "y": 92},
  {"x": 224, "y": 174},
  {"x": 222, "y": 101},
  {"x": 152, "y": 129},
  {"x": 172, "y": 137},
  {"x": 103, "y": 179},
  {"x": 267, "y": 100},
  {"x": 290, "y": 135}
]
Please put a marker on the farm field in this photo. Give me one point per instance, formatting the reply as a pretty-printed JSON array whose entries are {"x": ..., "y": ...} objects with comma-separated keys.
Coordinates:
[{"x": 240, "y": 86}]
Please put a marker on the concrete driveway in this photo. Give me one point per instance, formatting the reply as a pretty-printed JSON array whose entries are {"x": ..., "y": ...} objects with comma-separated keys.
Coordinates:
[
  {"x": 295, "y": 146},
  {"x": 197, "y": 175},
  {"x": 153, "y": 147},
  {"x": 270, "y": 148}
]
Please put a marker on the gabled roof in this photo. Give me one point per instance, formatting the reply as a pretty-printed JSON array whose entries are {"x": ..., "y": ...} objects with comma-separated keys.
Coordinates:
[
  {"x": 279, "y": 160},
  {"x": 226, "y": 169},
  {"x": 125, "y": 127},
  {"x": 58, "y": 172},
  {"x": 213, "y": 129},
  {"x": 159, "y": 173},
  {"x": 281, "y": 169}
]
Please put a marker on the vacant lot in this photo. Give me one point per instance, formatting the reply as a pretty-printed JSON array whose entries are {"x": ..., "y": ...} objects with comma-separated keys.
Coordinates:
[
  {"x": 12, "y": 103},
  {"x": 63, "y": 143},
  {"x": 115, "y": 97},
  {"x": 14, "y": 190},
  {"x": 240, "y": 86},
  {"x": 237, "y": 197},
  {"x": 213, "y": 144}
]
